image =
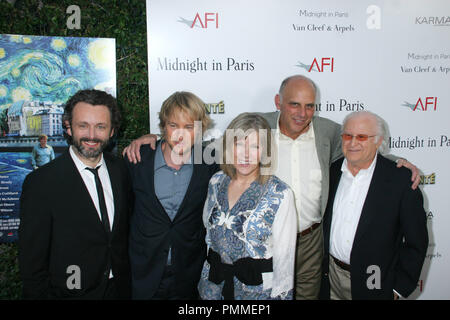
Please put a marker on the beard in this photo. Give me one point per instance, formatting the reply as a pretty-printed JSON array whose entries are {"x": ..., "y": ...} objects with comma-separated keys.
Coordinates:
[{"x": 90, "y": 153}]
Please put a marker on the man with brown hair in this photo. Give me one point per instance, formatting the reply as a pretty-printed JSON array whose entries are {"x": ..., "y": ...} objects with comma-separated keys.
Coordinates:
[{"x": 74, "y": 211}]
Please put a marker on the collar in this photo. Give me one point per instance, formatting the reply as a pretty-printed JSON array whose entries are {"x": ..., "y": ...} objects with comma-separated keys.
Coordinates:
[
  {"x": 159, "y": 157},
  {"x": 161, "y": 162}
]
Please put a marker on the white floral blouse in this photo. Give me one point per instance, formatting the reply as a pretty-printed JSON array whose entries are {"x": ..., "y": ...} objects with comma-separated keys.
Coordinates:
[{"x": 261, "y": 225}]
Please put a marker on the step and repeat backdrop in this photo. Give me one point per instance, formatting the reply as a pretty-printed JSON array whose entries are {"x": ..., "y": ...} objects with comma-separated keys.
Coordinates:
[{"x": 389, "y": 57}]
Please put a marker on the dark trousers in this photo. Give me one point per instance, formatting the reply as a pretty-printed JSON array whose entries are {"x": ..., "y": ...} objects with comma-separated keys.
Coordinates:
[
  {"x": 167, "y": 287},
  {"x": 111, "y": 290}
]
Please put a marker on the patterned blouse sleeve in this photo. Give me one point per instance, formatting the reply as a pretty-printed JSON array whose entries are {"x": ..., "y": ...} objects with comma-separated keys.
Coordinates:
[
  {"x": 284, "y": 232},
  {"x": 209, "y": 204}
]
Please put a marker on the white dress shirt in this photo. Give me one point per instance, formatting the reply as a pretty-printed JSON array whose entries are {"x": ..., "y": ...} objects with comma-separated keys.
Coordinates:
[
  {"x": 89, "y": 182},
  {"x": 348, "y": 203},
  {"x": 299, "y": 167}
]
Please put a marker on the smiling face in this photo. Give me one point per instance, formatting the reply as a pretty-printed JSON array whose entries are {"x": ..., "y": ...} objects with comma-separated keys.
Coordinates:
[
  {"x": 91, "y": 130},
  {"x": 360, "y": 154},
  {"x": 247, "y": 155},
  {"x": 297, "y": 106}
]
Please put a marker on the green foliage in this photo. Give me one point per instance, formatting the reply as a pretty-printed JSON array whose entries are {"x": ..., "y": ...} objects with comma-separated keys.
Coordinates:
[
  {"x": 10, "y": 284},
  {"x": 123, "y": 20}
]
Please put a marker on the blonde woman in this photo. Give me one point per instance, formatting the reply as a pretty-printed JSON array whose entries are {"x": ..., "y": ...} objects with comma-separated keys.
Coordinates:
[{"x": 250, "y": 220}]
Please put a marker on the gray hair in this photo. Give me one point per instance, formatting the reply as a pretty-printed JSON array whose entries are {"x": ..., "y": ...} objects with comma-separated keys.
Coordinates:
[{"x": 381, "y": 126}]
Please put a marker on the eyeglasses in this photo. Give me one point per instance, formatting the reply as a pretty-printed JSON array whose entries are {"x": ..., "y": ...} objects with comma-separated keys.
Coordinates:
[{"x": 359, "y": 137}]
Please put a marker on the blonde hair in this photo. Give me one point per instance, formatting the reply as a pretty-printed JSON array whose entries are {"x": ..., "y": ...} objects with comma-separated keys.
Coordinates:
[
  {"x": 248, "y": 123},
  {"x": 187, "y": 102}
]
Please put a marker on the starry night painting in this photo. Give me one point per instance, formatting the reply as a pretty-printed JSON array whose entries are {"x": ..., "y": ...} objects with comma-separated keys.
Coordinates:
[
  {"x": 38, "y": 68},
  {"x": 38, "y": 75}
]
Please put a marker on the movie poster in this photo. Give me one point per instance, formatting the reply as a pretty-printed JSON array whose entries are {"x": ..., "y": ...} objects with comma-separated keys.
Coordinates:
[{"x": 37, "y": 76}]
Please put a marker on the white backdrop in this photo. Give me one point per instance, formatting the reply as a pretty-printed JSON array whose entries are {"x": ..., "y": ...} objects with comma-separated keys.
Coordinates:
[{"x": 391, "y": 57}]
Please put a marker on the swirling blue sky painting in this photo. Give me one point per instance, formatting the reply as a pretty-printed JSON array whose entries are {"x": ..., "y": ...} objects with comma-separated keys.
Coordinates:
[{"x": 52, "y": 69}]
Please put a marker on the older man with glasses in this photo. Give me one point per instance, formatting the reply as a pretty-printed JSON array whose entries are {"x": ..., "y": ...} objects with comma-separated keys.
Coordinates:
[{"x": 375, "y": 231}]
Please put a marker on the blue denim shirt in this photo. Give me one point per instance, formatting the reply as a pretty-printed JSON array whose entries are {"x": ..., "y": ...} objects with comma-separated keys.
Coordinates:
[
  {"x": 171, "y": 185},
  {"x": 41, "y": 156}
]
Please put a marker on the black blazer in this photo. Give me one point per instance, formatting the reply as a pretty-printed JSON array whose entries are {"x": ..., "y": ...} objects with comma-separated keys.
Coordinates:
[
  {"x": 152, "y": 232},
  {"x": 392, "y": 211},
  {"x": 60, "y": 227}
]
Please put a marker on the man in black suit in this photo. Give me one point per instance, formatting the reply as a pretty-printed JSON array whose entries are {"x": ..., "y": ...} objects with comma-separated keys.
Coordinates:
[
  {"x": 74, "y": 211},
  {"x": 375, "y": 232},
  {"x": 167, "y": 236}
]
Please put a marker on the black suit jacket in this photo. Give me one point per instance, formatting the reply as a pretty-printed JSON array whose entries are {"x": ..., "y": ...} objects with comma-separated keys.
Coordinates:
[
  {"x": 152, "y": 232},
  {"x": 60, "y": 227},
  {"x": 392, "y": 211}
]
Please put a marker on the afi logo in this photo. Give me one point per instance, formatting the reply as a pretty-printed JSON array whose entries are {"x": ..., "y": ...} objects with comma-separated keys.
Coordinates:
[
  {"x": 323, "y": 63},
  {"x": 425, "y": 103},
  {"x": 208, "y": 17}
]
